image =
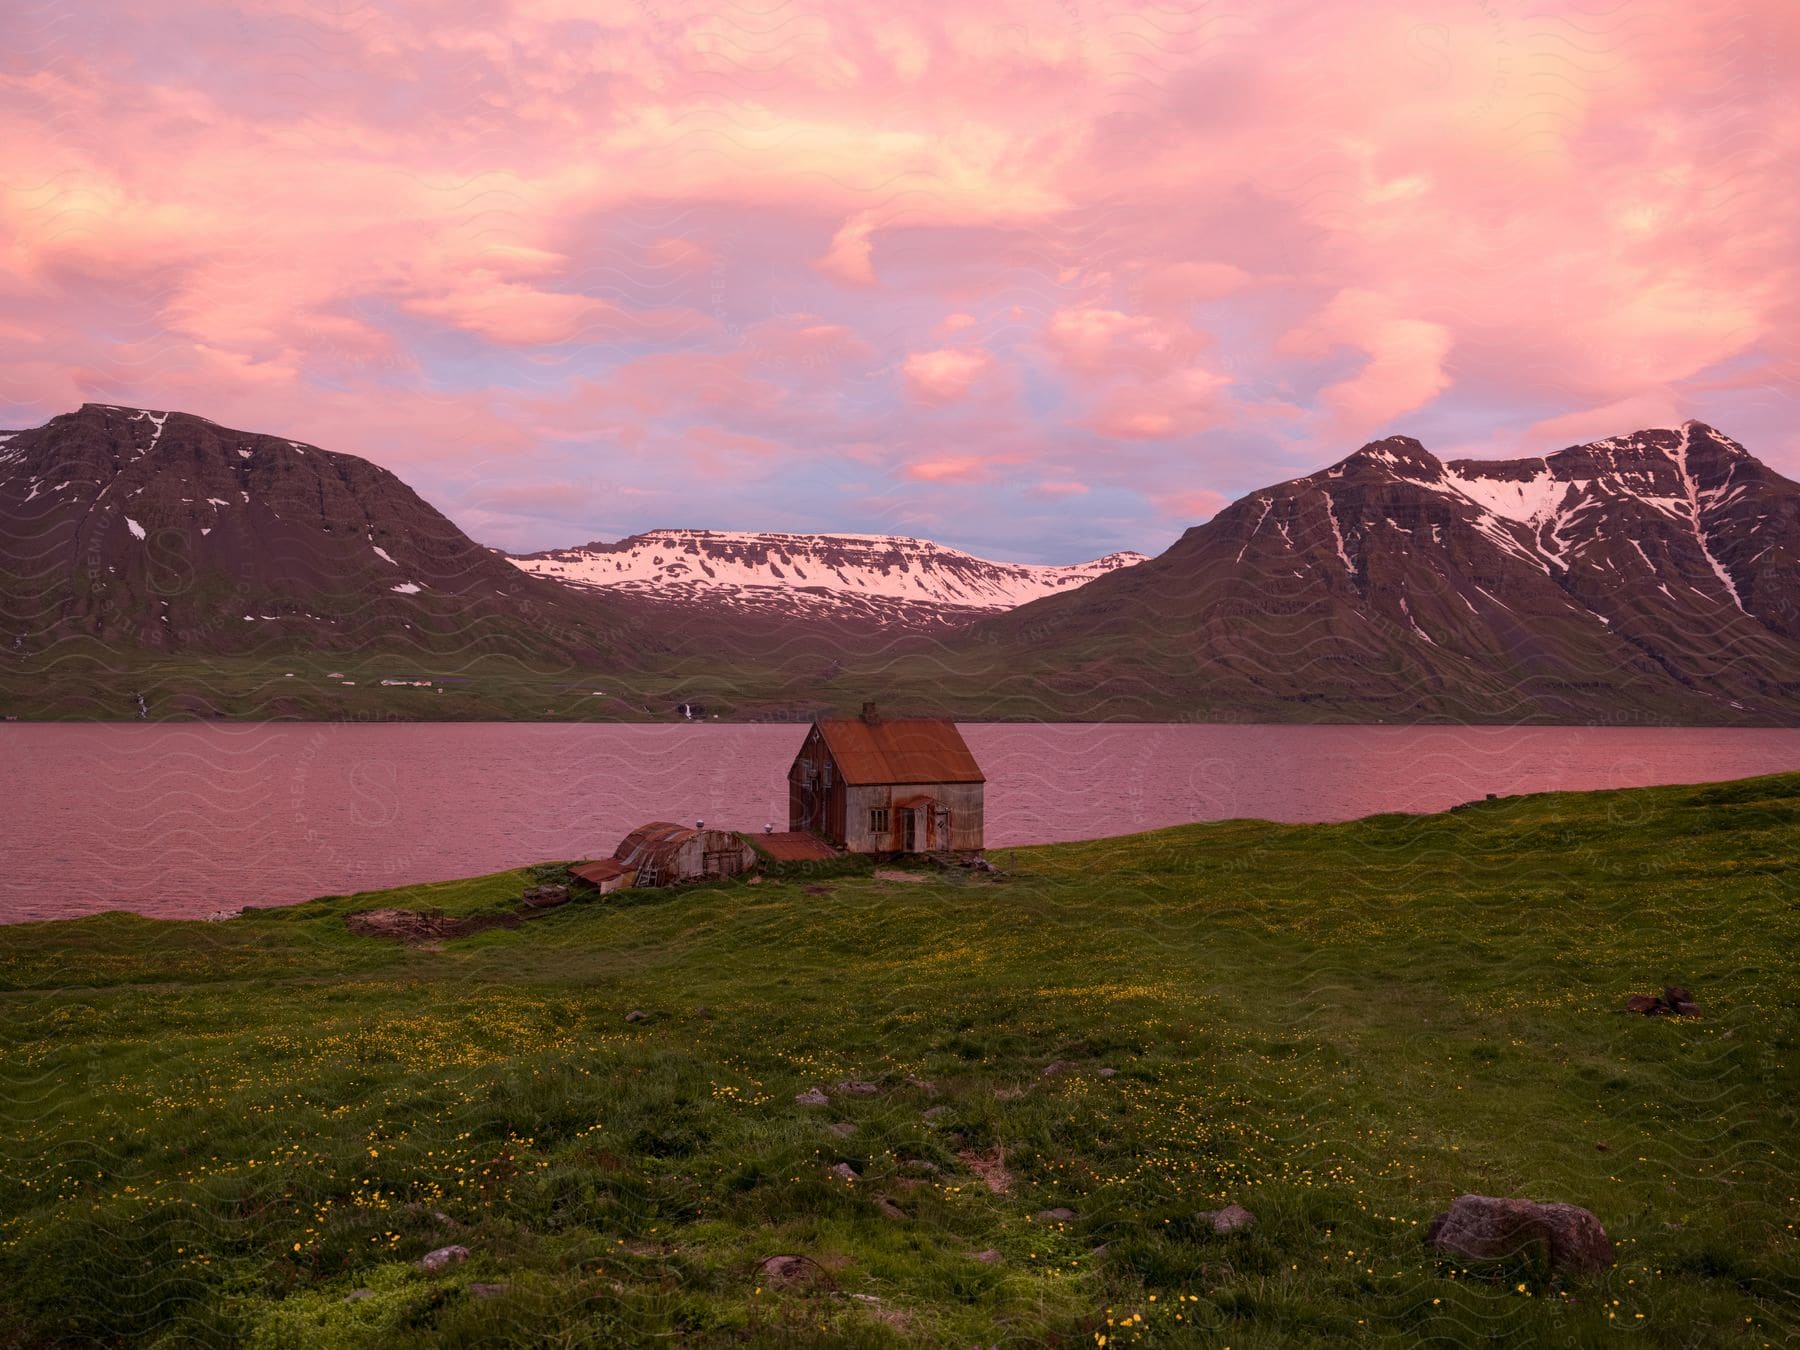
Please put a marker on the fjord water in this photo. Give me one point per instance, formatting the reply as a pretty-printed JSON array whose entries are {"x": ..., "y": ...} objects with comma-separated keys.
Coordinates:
[{"x": 183, "y": 820}]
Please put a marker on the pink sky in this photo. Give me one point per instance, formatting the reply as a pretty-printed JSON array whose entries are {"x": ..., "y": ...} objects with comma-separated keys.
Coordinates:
[{"x": 1041, "y": 279}]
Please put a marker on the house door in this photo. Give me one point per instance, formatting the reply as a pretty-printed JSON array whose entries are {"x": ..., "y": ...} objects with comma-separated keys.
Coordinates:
[
  {"x": 909, "y": 831},
  {"x": 724, "y": 862}
]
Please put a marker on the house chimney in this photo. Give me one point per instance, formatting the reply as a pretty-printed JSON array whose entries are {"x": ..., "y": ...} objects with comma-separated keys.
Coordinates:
[{"x": 869, "y": 714}]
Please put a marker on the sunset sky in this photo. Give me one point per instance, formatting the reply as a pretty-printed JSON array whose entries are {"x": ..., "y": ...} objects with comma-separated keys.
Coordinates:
[{"x": 1043, "y": 283}]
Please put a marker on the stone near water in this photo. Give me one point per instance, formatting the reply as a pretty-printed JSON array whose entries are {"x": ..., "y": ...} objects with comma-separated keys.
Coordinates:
[
  {"x": 1493, "y": 1228},
  {"x": 1231, "y": 1219},
  {"x": 443, "y": 1258}
]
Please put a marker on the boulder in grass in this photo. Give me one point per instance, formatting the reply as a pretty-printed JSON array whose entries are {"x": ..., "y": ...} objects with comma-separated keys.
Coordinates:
[
  {"x": 1674, "y": 1002},
  {"x": 811, "y": 1097},
  {"x": 1567, "y": 1238},
  {"x": 443, "y": 1258},
  {"x": 845, "y": 1172},
  {"x": 1231, "y": 1219},
  {"x": 1060, "y": 1214}
]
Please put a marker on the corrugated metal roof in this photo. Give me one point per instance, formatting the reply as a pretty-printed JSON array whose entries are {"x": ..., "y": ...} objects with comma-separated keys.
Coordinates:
[
  {"x": 658, "y": 840},
  {"x": 795, "y": 846},
  {"x": 900, "y": 750}
]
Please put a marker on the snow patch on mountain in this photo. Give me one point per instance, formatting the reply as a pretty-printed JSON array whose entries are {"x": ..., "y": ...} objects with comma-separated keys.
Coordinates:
[{"x": 873, "y": 574}]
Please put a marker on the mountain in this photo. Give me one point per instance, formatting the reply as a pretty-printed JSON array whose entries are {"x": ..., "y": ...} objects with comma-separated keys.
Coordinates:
[
  {"x": 888, "y": 580},
  {"x": 166, "y": 531},
  {"x": 1642, "y": 578}
]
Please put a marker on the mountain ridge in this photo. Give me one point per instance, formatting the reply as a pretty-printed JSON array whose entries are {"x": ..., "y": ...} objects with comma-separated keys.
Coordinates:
[
  {"x": 1655, "y": 569},
  {"x": 888, "y": 579}
]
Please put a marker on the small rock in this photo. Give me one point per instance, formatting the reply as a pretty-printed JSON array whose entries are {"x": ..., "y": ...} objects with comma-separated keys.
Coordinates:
[
  {"x": 1108, "y": 1073},
  {"x": 489, "y": 1290},
  {"x": 637, "y": 1015},
  {"x": 1101, "y": 1250},
  {"x": 1060, "y": 1214},
  {"x": 988, "y": 1257},
  {"x": 1602, "y": 1147},
  {"x": 755, "y": 881},
  {"x": 703, "y": 1011},
  {"x": 925, "y": 1085},
  {"x": 1231, "y": 1219},
  {"x": 811, "y": 1097},
  {"x": 546, "y": 897},
  {"x": 358, "y": 1295},
  {"x": 850, "y": 1087},
  {"x": 1492, "y": 1228},
  {"x": 785, "y": 1271},
  {"x": 443, "y": 1258},
  {"x": 889, "y": 1210},
  {"x": 1054, "y": 1068},
  {"x": 1680, "y": 1001},
  {"x": 845, "y": 1172},
  {"x": 843, "y": 1129},
  {"x": 1676, "y": 1001},
  {"x": 934, "y": 1114}
]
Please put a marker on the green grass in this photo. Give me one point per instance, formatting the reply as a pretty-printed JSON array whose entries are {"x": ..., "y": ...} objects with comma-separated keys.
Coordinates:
[{"x": 215, "y": 1133}]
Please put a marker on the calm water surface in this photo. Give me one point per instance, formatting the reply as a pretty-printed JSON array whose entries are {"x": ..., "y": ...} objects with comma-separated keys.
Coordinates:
[{"x": 183, "y": 820}]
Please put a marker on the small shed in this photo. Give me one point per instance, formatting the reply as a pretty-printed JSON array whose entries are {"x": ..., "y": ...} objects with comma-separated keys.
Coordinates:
[
  {"x": 606, "y": 875},
  {"x": 661, "y": 853},
  {"x": 875, "y": 785}
]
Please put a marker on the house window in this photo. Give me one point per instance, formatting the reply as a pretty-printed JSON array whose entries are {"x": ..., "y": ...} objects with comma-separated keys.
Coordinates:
[{"x": 878, "y": 820}]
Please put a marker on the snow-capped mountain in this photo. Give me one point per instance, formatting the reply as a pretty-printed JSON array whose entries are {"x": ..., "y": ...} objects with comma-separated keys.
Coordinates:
[
  {"x": 167, "y": 530},
  {"x": 892, "y": 579},
  {"x": 1654, "y": 576}
]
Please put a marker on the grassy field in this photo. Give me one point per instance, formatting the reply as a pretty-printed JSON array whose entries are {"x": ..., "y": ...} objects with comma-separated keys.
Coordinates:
[{"x": 223, "y": 1133}]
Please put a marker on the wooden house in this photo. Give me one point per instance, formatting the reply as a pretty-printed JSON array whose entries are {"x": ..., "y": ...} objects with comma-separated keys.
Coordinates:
[{"x": 873, "y": 785}]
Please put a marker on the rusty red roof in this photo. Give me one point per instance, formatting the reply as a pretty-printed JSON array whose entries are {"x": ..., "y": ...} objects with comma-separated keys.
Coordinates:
[
  {"x": 900, "y": 750},
  {"x": 794, "y": 846}
]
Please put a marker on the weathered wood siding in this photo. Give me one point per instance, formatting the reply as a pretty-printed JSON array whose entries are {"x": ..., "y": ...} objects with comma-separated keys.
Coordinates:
[
  {"x": 963, "y": 802},
  {"x": 816, "y": 791}
]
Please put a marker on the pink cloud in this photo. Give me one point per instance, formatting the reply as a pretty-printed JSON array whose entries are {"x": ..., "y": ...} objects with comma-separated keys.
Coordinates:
[
  {"x": 512, "y": 229},
  {"x": 945, "y": 375},
  {"x": 960, "y": 468},
  {"x": 1196, "y": 505}
]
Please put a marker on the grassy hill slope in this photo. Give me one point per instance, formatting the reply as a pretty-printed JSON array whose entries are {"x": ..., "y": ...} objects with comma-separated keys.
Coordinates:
[{"x": 216, "y": 1133}]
